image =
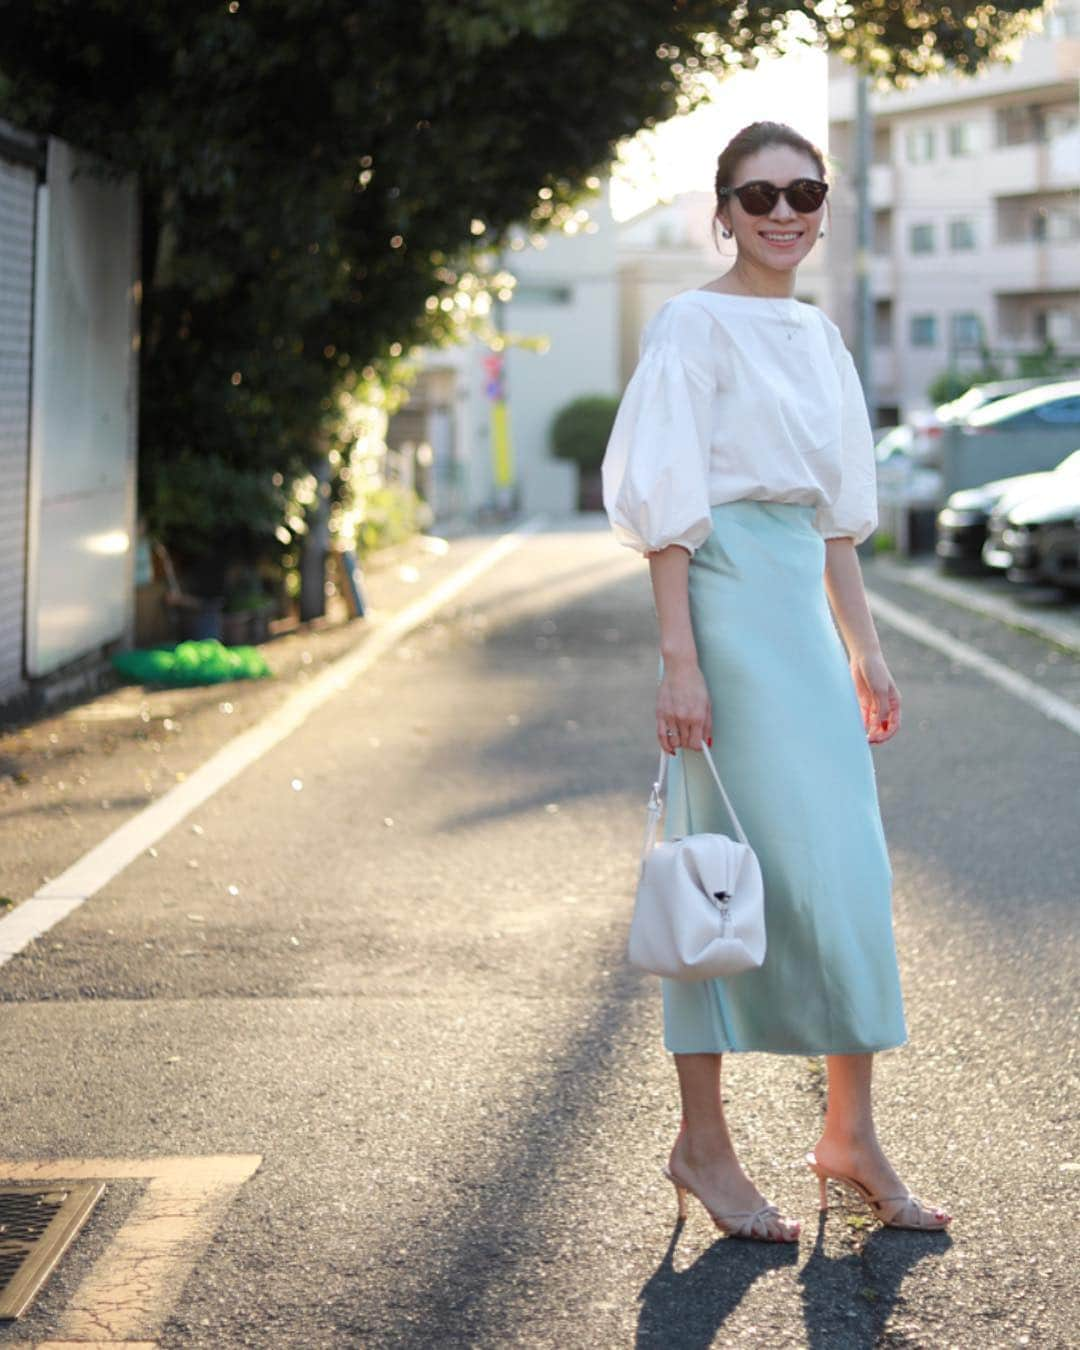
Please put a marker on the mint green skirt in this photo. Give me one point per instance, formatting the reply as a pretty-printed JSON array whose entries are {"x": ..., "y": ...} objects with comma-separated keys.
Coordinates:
[{"x": 791, "y": 748}]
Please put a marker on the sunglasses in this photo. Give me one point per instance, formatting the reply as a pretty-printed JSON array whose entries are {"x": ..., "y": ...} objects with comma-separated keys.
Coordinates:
[{"x": 757, "y": 198}]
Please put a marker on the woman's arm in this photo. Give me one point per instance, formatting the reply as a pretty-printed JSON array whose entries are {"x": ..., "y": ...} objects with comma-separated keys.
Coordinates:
[
  {"x": 879, "y": 697},
  {"x": 682, "y": 701}
]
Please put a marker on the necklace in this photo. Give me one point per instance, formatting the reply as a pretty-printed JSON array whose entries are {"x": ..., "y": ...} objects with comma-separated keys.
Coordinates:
[{"x": 792, "y": 329}]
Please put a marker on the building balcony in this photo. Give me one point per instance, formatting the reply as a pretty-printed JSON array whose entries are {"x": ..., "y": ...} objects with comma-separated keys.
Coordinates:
[
  {"x": 1028, "y": 265},
  {"x": 884, "y": 373},
  {"x": 881, "y": 186},
  {"x": 1033, "y": 166}
]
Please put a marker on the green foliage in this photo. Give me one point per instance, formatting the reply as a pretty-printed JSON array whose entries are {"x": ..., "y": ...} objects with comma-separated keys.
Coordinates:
[
  {"x": 1049, "y": 361},
  {"x": 951, "y": 384},
  {"x": 325, "y": 184},
  {"x": 580, "y": 431},
  {"x": 389, "y": 515}
]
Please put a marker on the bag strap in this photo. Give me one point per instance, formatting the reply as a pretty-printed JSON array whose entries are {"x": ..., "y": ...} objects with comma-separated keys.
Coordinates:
[{"x": 656, "y": 800}]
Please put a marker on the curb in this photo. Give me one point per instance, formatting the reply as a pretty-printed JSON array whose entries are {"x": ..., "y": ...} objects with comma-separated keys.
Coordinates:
[{"x": 1064, "y": 632}]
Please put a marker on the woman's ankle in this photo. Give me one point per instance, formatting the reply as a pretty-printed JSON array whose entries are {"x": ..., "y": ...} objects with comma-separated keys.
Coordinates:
[
  {"x": 856, "y": 1137},
  {"x": 704, "y": 1147}
]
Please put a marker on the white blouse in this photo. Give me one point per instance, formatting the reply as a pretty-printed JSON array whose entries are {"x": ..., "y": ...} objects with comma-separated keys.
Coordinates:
[{"x": 738, "y": 396}]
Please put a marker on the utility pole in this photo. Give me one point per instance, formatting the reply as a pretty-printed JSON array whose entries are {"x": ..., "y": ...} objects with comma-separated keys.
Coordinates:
[{"x": 864, "y": 225}]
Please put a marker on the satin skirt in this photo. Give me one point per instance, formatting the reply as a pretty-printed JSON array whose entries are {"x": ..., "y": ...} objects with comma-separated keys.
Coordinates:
[{"x": 791, "y": 748}]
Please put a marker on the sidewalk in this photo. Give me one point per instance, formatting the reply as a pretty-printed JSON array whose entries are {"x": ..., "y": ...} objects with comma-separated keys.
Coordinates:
[
  {"x": 69, "y": 779},
  {"x": 1040, "y": 611}
]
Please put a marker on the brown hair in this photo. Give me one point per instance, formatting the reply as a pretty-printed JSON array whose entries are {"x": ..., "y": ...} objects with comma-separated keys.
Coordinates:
[{"x": 753, "y": 137}]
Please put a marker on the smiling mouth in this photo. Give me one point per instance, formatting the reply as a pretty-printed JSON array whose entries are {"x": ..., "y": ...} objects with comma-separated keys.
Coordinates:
[{"x": 781, "y": 238}]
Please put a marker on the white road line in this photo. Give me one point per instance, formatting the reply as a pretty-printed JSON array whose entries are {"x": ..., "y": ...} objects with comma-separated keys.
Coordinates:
[
  {"x": 84, "y": 878},
  {"x": 1059, "y": 709}
]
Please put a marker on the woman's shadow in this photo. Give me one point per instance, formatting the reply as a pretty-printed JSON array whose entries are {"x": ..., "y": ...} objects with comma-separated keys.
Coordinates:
[
  {"x": 847, "y": 1299},
  {"x": 685, "y": 1308}
]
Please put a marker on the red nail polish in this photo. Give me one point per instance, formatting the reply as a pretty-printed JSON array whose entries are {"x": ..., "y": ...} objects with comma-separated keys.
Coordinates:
[
  {"x": 885, "y": 725},
  {"x": 710, "y": 742}
]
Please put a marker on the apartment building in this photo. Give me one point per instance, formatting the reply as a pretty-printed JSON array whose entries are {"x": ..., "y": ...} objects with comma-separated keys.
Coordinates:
[{"x": 975, "y": 194}]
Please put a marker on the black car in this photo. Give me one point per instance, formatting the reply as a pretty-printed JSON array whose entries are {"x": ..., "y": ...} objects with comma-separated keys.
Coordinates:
[
  {"x": 962, "y": 523},
  {"x": 1036, "y": 539}
]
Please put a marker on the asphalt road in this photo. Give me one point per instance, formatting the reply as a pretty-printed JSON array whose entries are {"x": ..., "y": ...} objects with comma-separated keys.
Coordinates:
[{"x": 413, "y": 1003}]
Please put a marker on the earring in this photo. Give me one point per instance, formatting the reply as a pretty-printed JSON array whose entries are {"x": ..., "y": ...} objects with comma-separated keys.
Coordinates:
[
  {"x": 821, "y": 234},
  {"x": 726, "y": 233}
]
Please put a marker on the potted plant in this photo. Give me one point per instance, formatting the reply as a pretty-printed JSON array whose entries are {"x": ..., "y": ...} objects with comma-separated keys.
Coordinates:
[{"x": 579, "y": 433}]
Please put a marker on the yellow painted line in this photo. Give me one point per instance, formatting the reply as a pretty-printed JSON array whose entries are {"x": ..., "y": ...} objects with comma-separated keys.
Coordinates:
[
  {"x": 78, "y": 1345},
  {"x": 134, "y": 1285}
]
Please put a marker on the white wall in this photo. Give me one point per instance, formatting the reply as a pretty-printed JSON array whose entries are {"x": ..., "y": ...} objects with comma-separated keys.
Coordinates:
[
  {"x": 83, "y": 420},
  {"x": 567, "y": 293},
  {"x": 18, "y": 184}
]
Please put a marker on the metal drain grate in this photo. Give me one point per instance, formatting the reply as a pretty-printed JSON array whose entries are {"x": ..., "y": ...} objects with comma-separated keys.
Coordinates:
[{"x": 37, "y": 1224}]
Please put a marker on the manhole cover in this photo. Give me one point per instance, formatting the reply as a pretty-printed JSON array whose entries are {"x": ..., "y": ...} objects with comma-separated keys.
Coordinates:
[{"x": 37, "y": 1223}]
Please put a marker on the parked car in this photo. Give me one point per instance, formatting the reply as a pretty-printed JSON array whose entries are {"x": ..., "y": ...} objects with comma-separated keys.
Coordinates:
[
  {"x": 901, "y": 476},
  {"x": 1055, "y": 404},
  {"x": 927, "y": 427},
  {"x": 963, "y": 522},
  {"x": 1036, "y": 539}
]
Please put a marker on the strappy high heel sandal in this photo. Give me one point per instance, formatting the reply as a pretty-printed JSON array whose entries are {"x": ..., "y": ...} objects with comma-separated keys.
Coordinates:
[
  {"x": 738, "y": 1222},
  {"x": 905, "y": 1210}
]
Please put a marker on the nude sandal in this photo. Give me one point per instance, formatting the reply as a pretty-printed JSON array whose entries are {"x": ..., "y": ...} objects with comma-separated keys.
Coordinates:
[
  {"x": 910, "y": 1211},
  {"x": 738, "y": 1222}
]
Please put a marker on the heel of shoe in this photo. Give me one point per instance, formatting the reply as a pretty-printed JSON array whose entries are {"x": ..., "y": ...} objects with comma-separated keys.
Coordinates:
[
  {"x": 822, "y": 1177},
  {"x": 680, "y": 1193}
]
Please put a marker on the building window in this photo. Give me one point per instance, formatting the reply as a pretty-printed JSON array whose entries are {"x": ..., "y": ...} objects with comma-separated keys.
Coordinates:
[
  {"x": 882, "y": 147},
  {"x": 920, "y": 145},
  {"x": 529, "y": 293},
  {"x": 966, "y": 331},
  {"x": 1063, "y": 21},
  {"x": 922, "y": 238},
  {"x": 1054, "y": 223},
  {"x": 961, "y": 233},
  {"x": 1061, "y": 121},
  {"x": 1056, "y": 325},
  {"x": 1020, "y": 124},
  {"x": 882, "y": 227},
  {"x": 959, "y": 138},
  {"x": 883, "y": 323},
  {"x": 923, "y": 330}
]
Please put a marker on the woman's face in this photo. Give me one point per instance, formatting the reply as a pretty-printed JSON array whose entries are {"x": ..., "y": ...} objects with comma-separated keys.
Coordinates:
[{"x": 778, "y": 164}]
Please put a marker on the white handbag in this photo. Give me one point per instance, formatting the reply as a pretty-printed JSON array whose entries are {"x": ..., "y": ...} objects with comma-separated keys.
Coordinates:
[{"x": 699, "y": 911}]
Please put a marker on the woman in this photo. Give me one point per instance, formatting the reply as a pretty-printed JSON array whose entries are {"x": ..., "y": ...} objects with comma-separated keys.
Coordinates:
[{"x": 741, "y": 465}]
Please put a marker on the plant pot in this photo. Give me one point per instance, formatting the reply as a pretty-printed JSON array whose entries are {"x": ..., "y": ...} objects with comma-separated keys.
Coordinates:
[
  {"x": 590, "y": 490},
  {"x": 199, "y": 618},
  {"x": 260, "y": 623},
  {"x": 236, "y": 627}
]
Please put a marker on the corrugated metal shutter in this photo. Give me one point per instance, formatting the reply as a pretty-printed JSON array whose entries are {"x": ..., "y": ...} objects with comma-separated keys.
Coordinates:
[{"x": 17, "y": 192}]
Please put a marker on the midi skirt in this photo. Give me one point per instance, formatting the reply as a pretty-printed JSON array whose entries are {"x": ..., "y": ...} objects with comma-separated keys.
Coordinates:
[{"x": 790, "y": 746}]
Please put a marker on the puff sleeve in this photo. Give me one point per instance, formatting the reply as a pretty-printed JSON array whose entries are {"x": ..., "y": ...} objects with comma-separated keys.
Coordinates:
[
  {"x": 655, "y": 470},
  {"x": 853, "y": 512}
]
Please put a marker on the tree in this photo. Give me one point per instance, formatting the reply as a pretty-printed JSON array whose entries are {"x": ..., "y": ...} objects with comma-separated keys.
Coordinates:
[{"x": 322, "y": 181}]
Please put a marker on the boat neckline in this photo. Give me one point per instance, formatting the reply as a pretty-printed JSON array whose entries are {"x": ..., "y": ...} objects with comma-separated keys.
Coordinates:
[{"x": 773, "y": 299}]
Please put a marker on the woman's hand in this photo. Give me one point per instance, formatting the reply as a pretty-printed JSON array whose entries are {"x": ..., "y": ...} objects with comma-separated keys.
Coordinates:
[
  {"x": 683, "y": 706},
  {"x": 879, "y": 697}
]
